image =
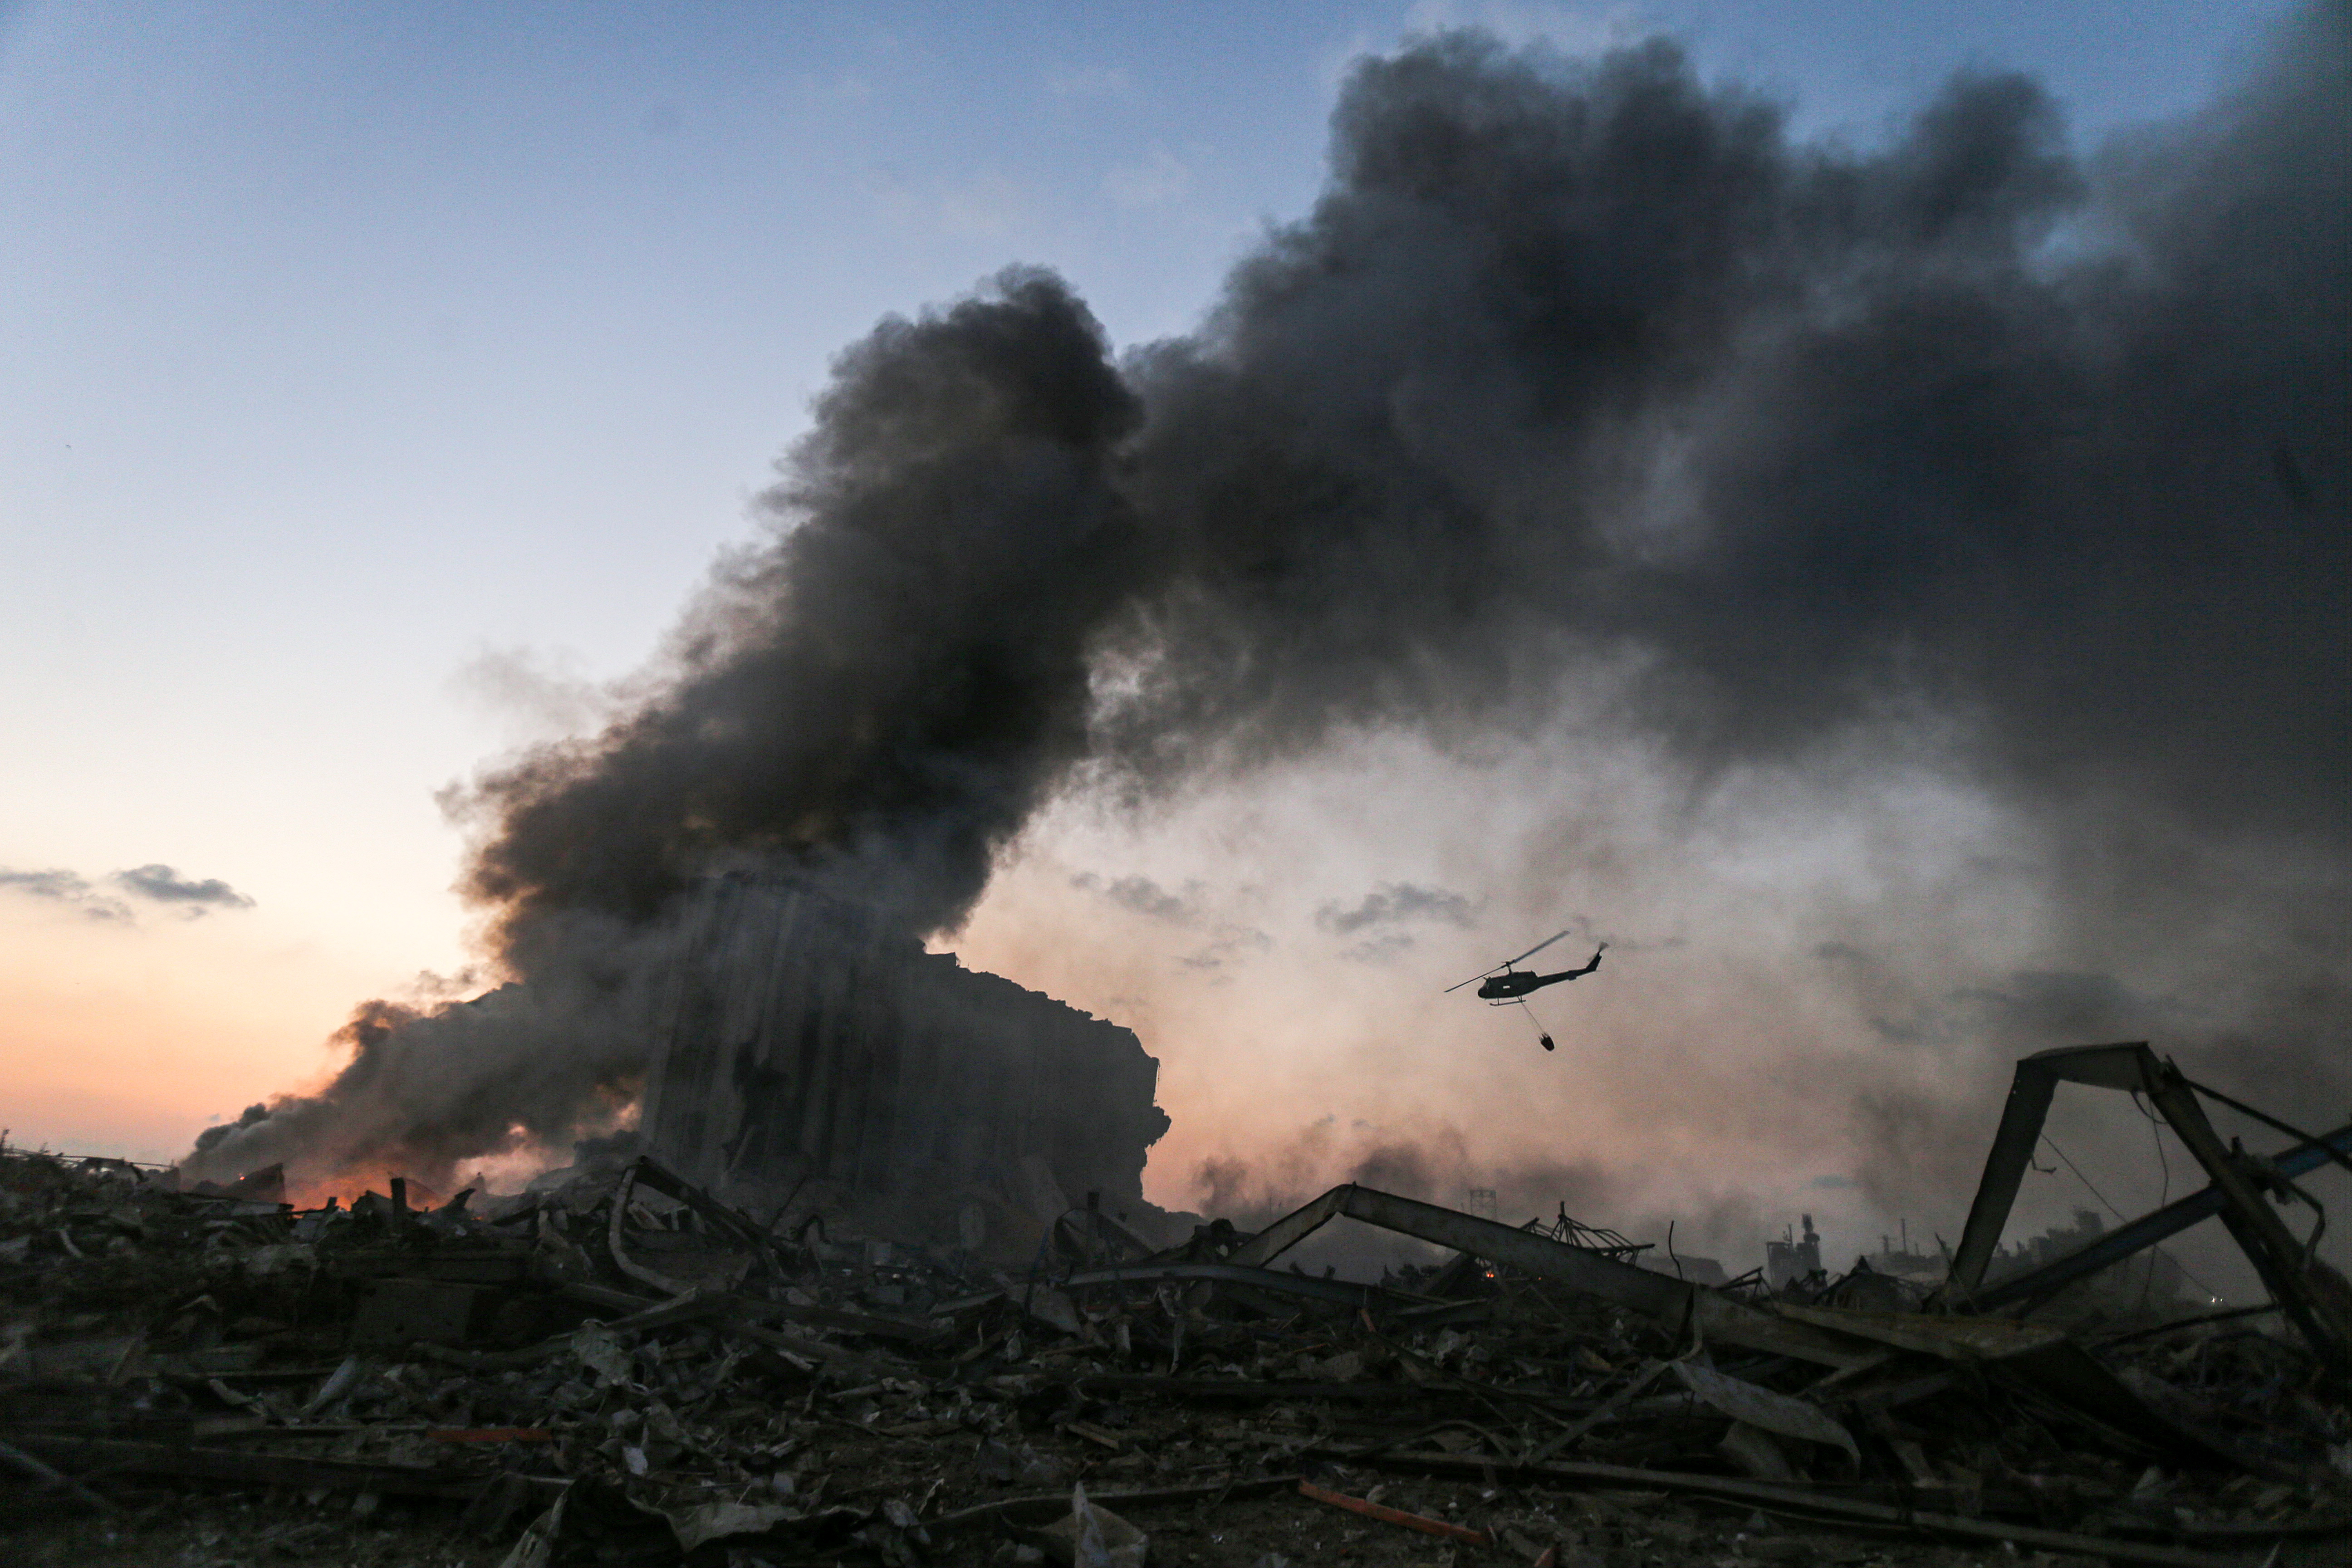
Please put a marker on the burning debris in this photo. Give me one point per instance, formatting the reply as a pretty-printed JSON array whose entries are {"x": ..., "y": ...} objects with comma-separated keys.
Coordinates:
[{"x": 618, "y": 1365}]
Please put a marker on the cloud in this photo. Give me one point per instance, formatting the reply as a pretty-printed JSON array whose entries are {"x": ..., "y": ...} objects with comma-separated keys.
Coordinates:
[
  {"x": 167, "y": 886},
  {"x": 1142, "y": 895},
  {"x": 65, "y": 887},
  {"x": 1398, "y": 903},
  {"x": 1231, "y": 945},
  {"x": 156, "y": 883},
  {"x": 1160, "y": 178},
  {"x": 1227, "y": 943},
  {"x": 1386, "y": 948}
]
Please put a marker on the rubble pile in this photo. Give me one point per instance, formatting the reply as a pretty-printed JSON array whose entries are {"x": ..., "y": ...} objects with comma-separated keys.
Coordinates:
[{"x": 616, "y": 1368}]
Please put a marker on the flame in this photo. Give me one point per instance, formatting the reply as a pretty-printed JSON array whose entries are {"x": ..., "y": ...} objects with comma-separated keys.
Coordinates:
[
  {"x": 346, "y": 1187},
  {"x": 505, "y": 1172}
]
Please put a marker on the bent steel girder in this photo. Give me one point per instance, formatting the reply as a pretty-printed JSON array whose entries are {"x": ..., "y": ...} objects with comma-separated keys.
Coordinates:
[
  {"x": 2314, "y": 1295},
  {"x": 2035, "y": 1284},
  {"x": 2027, "y": 1107},
  {"x": 1674, "y": 1304}
]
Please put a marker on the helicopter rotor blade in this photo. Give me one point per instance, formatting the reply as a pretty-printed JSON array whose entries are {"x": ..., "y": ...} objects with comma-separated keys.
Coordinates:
[
  {"x": 1536, "y": 949},
  {"x": 1507, "y": 963}
]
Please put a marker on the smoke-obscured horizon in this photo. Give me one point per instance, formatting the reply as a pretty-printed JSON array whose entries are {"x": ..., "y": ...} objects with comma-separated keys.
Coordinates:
[{"x": 1586, "y": 419}]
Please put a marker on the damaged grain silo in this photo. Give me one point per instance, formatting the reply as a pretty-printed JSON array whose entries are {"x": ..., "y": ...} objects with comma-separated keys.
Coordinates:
[{"x": 805, "y": 1045}]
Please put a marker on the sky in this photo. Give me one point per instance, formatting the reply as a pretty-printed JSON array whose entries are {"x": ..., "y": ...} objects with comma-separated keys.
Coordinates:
[{"x": 382, "y": 379}]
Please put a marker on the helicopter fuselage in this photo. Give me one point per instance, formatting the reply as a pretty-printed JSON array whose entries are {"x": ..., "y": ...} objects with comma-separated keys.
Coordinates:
[
  {"x": 1519, "y": 982},
  {"x": 1514, "y": 984}
]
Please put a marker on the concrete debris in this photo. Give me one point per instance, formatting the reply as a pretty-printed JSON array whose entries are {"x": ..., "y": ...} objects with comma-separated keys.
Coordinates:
[
  {"x": 617, "y": 1366},
  {"x": 1093, "y": 1537}
]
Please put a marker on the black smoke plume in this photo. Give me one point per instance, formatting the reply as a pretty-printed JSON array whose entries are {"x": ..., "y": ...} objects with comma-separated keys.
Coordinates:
[
  {"x": 1573, "y": 363},
  {"x": 903, "y": 674},
  {"x": 1594, "y": 353}
]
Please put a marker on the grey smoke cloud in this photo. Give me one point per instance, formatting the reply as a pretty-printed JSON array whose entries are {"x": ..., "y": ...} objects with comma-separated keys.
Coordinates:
[
  {"x": 2033, "y": 1004},
  {"x": 1579, "y": 371},
  {"x": 536, "y": 1063},
  {"x": 252, "y": 1116},
  {"x": 535, "y": 696}
]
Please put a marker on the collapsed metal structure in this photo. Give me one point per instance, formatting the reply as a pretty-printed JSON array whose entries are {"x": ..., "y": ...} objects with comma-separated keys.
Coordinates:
[
  {"x": 800, "y": 1037},
  {"x": 506, "y": 1353},
  {"x": 2314, "y": 1297}
]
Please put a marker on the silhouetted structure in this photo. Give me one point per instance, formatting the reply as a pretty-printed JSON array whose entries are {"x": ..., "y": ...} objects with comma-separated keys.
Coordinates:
[{"x": 801, "y": 1039}]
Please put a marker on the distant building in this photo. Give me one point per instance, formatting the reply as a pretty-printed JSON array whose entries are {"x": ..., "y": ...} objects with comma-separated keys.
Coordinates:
[
  {"x": 1896, "y": 1256},
  {"x": 1688, "y": 1266},
  {"x": 2148, "y": 1280},
  {"x": 1792, "y": 1257}
]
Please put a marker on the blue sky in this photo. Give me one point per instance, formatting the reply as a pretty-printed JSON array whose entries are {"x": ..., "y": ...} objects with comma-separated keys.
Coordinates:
[{"x": 349, "y": 343}]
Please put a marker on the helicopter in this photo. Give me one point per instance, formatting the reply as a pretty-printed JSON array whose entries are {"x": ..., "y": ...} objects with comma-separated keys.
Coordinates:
[{"x": 1510, "y": 987}]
